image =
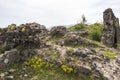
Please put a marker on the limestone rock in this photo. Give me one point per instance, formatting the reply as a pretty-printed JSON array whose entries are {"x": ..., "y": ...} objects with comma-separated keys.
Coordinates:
[
  {"x": 82, "y": 33},
  {"x": 76, "y": 40},
  {"x": 84, "y": 52},
  {"x": 58, "y": 31},
  {"x": 9, "y": 57},
  {"x": 118, "y": 61},
  {"x": 31, "y": 34},
  {"x": 110, "y": 32}
]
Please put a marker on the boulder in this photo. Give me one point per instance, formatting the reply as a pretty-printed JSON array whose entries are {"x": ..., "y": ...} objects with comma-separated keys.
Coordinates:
[
  {"x": 9, "y": 57},
  {"x": 12, "y": 56},
  {"x": 82, "y": 33},
  {"x": 118, "y": 61}
]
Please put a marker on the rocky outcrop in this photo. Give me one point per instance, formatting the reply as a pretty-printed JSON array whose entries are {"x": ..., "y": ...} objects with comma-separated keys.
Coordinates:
[
  {"x": 74, "y": 39},
  {"x": 62, "y": 47},
  {"x": 18, "y": 42},
  {"x": 58, "y": 31},
  {"x": 85, "y": 61},
  {"x": 31, "y": 34},
  {"x": 111, "y": 29}
]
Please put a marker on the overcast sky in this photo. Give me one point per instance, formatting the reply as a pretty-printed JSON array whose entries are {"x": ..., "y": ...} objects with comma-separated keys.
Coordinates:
[{"x": 54, "y": 12}]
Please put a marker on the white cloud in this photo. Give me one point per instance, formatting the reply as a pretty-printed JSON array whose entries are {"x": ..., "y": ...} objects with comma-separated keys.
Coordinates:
[{"x": 53, "y": 12}]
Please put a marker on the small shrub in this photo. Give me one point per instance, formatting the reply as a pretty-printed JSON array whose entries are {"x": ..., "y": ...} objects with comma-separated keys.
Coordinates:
[
  {"x": 67, "y": 69},
  {"x": 95, "y": 31},
  {"x": 37, "y": 62},
  {"x": 23, "y": 29},
  {"x": 21, "y": 47},
  {"x": 1, "y": 50},
  {"x": 11, "y": 28},
  {"x": 110, "y": 55},
  {"x": 69, "y": 51}
]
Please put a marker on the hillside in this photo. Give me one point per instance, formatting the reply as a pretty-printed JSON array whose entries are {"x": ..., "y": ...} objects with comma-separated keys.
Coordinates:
[{"x": 80, "y": 52}]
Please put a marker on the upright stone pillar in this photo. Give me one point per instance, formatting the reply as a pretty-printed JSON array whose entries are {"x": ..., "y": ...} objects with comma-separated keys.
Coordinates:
[
  {"x": 110, "y": 31},
  {"x": 118, "y": 32}
]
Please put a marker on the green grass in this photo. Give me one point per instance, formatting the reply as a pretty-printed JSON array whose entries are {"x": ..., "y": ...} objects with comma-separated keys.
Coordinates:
[
  {"x": 109, "y": 55},
  {"x": 54, "y": 39},
  {"x": 1, "y": 51},
  {"x": 43, "y": 73},
  {"x": 94, "y": 30},
  {"x": 118, "y": 45},
  {"x": 77, "y": 27},
  {"x": 58, "y": 74}
]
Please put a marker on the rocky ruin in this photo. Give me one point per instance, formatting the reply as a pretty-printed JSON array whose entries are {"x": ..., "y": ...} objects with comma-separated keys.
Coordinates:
[
  {"x": 111, "y": 29},
  {"x": 60, "y": 47}
]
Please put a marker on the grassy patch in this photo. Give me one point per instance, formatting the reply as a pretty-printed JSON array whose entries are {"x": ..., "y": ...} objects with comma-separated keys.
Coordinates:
[
  {"x": 70, "y": 51},
  {"x": 40, "y": 70},
  {"x": 48, "y": 71},
  {"x": 110, "y": 55},
  {"x": 54, "y": 39},
  {"x": 77, "y": 27},
  {"x": 118, "y": 45},
  {"x": 1, "y": 51},
  {"x": 94, "y": 30}
]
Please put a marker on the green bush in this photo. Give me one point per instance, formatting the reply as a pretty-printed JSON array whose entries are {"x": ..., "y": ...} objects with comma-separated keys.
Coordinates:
[
  {"x": 95, "y": 31},
  {"x": 76, "y": 27}
]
